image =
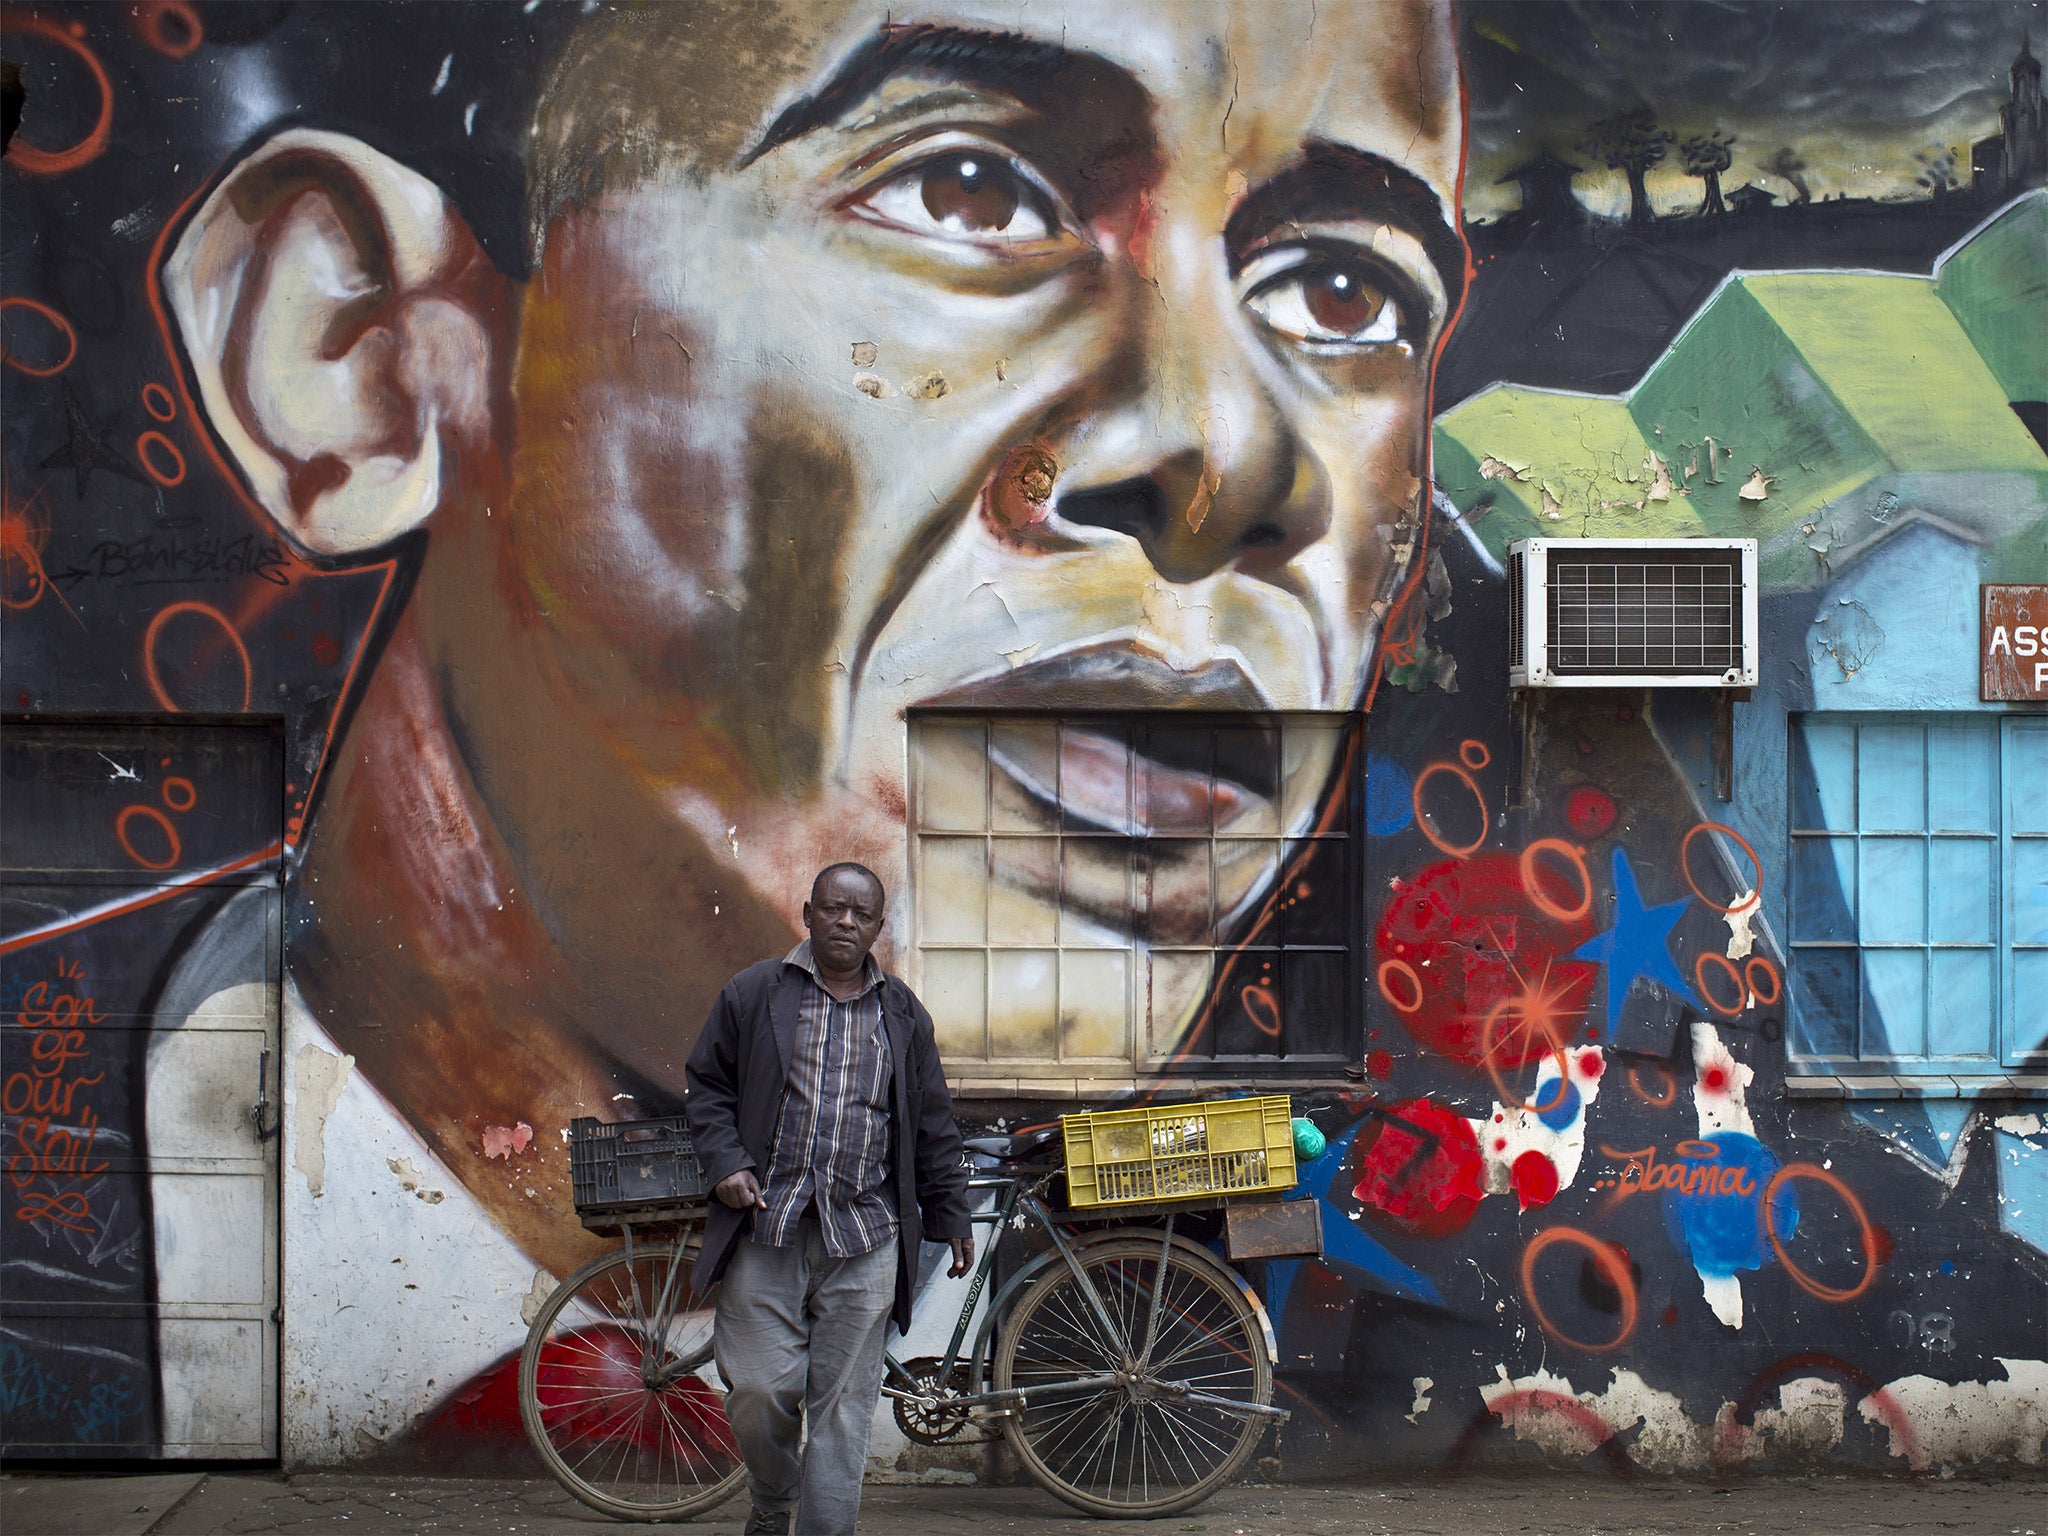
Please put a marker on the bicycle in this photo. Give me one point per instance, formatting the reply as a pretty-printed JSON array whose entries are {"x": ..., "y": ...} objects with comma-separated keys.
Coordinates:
[{"x": 1130, "y": 1368}]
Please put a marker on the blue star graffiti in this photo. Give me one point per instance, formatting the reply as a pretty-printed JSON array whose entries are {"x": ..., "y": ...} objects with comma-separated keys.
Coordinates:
[{"x": 1637, "y": 947}]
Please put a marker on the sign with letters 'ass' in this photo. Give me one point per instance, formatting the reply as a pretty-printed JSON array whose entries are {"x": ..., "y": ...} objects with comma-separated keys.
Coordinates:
[{"x": 2012, "y": 643}]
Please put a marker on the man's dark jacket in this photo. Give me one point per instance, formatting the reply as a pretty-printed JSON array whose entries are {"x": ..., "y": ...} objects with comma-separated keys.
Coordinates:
[{"x": 737, "y": 1075}]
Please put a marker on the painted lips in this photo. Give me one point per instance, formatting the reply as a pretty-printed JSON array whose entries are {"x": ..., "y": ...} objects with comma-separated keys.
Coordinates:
[{"x": 1157, "y": 774}]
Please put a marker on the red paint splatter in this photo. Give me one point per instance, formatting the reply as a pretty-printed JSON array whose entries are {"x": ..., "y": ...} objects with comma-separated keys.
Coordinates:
[
  {"x": 1424, "y": 1190},
  {"x": 1881, "y": 1244},
  {"x": 1380, "y": 1064},
  {"x": 326, "y": 650},
  {"x": 1589, "y": 811},
  {"x": 1590, "y": 1064},
  {"x": 1714, "y": 1080},
  {"x": 1500, "y": 1143},
  {"x": 1535, "y": 1179},
  {"x": 1670, "y": 1316},
  {"x": 1476, "y": 945}
]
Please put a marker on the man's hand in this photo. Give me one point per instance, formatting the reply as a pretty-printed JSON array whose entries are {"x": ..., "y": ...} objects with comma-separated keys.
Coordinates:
[
  {"x": 742, "y": 1190},
  {"x": 963, "y": 1253}
]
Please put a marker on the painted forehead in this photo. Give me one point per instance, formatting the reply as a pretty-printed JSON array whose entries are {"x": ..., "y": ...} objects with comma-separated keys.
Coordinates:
[{"x": 1256, "y": 80}]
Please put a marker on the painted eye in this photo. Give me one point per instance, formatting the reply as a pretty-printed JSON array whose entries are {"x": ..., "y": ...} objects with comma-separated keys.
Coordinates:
[
  {"x": 1330, "y": 301},
  {"x": 965, "y": 195}
]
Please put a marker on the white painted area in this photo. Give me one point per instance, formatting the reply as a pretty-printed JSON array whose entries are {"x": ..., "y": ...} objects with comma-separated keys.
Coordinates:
[
  {"x": 1505, "y": 1134},
  {"x": 390, "y": 1300},
  {"x": 1723, "y": 1108},
  {"x": 1949, "y": 1424}
]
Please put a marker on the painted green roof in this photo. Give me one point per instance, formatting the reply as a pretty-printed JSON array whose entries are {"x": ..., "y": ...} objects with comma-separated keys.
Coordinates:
[
  {"x": 1902, "y": 365},
  {"x": 1854, "y": 401},
  {"x": 1995, "y": 281}
]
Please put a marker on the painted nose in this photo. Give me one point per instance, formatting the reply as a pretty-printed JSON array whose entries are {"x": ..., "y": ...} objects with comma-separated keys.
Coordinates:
[{"x": 1196, "y": 457}]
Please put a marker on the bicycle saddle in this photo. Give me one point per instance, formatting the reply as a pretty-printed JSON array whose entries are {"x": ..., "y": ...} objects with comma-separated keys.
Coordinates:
[{"x": 1015, "y": 1148}]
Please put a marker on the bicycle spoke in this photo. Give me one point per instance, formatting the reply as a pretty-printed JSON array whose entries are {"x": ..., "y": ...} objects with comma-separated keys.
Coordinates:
[
  {"x": 620, "y": 1394},
  {"x": 1140, "y": 1449}
]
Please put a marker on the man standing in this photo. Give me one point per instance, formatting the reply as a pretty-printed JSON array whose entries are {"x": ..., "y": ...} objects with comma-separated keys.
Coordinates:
[{"x": 821, "y": 1115}]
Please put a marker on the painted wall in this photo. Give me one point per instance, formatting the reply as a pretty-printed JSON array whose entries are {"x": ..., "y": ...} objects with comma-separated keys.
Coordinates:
[{"x": 636, "y": 456}]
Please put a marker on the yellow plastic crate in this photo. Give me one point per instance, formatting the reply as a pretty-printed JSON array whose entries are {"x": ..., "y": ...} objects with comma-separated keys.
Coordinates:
[{"x": 1179, "y": 1151}]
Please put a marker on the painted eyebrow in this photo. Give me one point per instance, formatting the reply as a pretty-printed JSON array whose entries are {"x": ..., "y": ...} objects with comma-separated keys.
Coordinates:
[
  {"x": 1035, "y": 72},
  {"x": 1335, "y": 182}
]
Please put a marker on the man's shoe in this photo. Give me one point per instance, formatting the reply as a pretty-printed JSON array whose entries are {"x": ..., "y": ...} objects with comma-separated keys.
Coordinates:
[{"x": 761, "y": 1523}]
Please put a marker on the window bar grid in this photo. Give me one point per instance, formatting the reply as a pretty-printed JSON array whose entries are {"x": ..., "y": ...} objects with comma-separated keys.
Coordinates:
[{"x": 1664, "y": 615}]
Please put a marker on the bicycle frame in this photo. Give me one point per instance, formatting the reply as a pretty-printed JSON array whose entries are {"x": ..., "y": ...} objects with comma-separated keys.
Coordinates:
[{"x": 1016, "y": 1197}]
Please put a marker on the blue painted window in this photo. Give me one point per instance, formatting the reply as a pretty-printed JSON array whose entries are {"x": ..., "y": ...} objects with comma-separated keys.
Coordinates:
[{"x": 1919, "y": 892}]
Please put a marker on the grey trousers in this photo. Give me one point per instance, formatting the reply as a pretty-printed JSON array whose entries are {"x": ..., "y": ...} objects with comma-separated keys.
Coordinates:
[{"x": 797, "y": 1328}]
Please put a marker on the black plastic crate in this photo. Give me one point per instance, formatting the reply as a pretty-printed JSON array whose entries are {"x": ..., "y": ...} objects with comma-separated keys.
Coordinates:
[{"x": 634, "y": 1163}]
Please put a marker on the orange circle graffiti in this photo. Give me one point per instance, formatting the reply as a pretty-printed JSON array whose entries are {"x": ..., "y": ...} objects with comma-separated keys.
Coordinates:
[
  {"x": 1609, "y": 1262},
  {"x": 1685, "y": 866},
  {"x": 36, "y": 307},
  {"x": 1635, "y": 1084},
  {"x": 185, "y": 788},
  {"x": 154, "y": 634},
  {"x": 163, "y": 823},
  {"x": 1474, "y": 754},
  {"x": 48, "y": 162},
  {"x": 1699, "y": 975},
  {"x": 1427, "y": 823},
  {"x": 1770, "y": 973},
  {"x": 1868, "y": 1234},
  {"x": 151, "y": 392},
  {"x": 1400, "y": 968},
  {"x": 156, "y": 13},
  {"x": 1513, "y": 1100},
  {"x": 149, "y": 440},
  {"x": 1533, "y": 888}
]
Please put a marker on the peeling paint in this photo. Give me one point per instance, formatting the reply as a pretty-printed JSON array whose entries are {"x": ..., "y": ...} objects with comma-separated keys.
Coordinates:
[
  {"x": 1948, "y": 1424},
  {"x": 1422, "y": 1384},
  {"x": 1741, "y": 941},
  {"x": 410, "y": 1180},
  {"x": 504, "y": 1140},
  {"x": 318, "y": 1077},
  {"x": 536, "y": 1297}
]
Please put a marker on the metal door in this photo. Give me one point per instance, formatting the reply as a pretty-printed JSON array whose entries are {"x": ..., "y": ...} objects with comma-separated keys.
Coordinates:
[{"x": 140, "y": 945}]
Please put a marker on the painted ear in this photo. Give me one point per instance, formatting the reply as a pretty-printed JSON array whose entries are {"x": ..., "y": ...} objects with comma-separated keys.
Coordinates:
[{"x": 337, "y": 316}]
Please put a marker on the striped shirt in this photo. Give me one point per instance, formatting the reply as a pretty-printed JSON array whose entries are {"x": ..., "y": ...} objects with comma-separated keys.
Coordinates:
[{"x": 831, "y": 1146}]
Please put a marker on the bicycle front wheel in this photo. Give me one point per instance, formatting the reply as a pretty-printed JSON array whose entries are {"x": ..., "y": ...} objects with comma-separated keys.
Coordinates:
[
  {"x": 621, "y": 1396},
  {"x": 1163, "y": 1437}
]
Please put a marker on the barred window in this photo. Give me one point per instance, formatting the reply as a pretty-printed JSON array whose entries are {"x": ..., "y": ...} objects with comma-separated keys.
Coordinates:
[
  {"x": 1919, "y": 907},
  {"x": 1106, "y": 897}
]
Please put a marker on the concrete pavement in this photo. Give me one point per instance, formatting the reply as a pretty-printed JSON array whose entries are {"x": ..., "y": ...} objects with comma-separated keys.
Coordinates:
[{"x": 1537, "y": 1502}]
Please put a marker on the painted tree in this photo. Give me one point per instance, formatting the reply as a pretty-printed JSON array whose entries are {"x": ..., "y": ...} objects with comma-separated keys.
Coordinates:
[
  {"x": 1788, "y": 165},
  {"x": 1939, "y": 173},
  {"x": 1630, "y": 142},
  {"x": 1707, "y": 155}
]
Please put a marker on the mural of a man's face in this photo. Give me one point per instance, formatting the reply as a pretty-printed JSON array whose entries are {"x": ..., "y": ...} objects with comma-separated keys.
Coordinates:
[{"x": 992, "y": 356}]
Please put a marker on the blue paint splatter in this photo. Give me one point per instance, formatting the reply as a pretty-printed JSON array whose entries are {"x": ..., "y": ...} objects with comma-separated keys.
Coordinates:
[
  {"x": 1725, "y": 1232},
  {"x": 1560, "y": 1108},
  {"x": 1389, "y": 796}
]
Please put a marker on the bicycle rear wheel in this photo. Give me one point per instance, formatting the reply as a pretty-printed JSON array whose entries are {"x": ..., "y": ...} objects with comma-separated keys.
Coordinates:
[
  {"x": 624, "y": 1403},
  {"x": 1143, "y": 1447}
]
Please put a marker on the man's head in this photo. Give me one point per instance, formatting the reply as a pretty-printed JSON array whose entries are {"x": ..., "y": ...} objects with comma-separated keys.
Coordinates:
[
  {"x": 981, "y": 355},
  {"x": 844, "y": 916}
]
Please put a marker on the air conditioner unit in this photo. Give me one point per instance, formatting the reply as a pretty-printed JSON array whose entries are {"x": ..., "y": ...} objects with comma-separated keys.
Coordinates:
[{"x": 1632, "y": 613}]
